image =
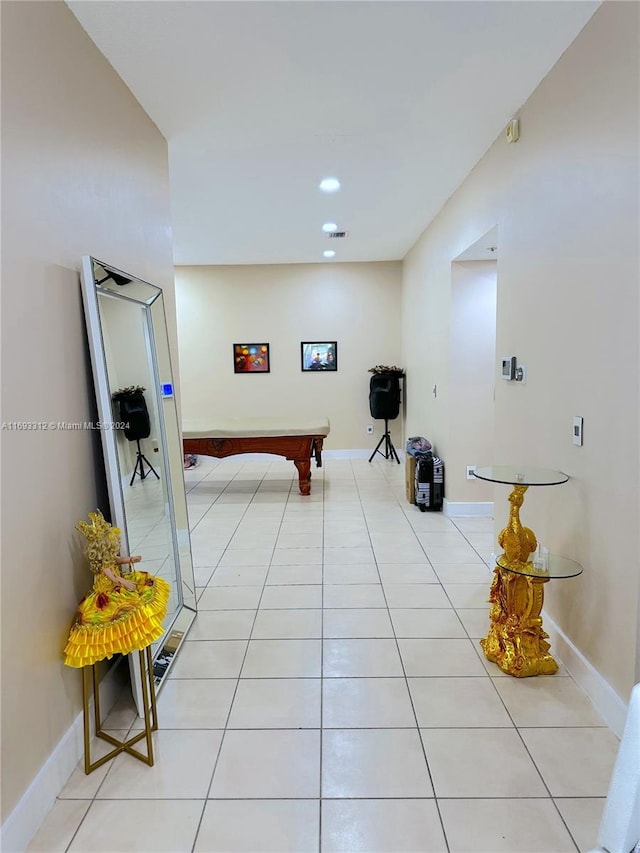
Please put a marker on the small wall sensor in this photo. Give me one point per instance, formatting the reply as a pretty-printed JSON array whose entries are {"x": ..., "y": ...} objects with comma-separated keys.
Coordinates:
[
  {"x": 513, "y": 130},
  {"x": 509, "y": 367},
  {"x": 167, "y": 389}
]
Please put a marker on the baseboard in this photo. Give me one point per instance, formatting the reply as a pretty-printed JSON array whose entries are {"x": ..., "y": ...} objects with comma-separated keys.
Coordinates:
[
  {"x": 26, "y": 818},
  {"x": 604, "y": 698},
  {"x": 471, "y": 509}
]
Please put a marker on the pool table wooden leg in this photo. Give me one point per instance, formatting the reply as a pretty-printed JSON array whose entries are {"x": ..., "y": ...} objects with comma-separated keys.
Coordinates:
[{"x": 304, "y": 475}]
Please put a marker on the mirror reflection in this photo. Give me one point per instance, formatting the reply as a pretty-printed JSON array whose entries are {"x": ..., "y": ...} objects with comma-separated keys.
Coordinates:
[{"x": 134, "y": 387}]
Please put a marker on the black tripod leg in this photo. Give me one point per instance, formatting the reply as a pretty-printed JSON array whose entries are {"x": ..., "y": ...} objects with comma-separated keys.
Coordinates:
[
  {"x": 135, "y": 471},
  {"x": 377, "y": 446},
  {"x": 391, "y": 451},
  {"x": 138, "y": 464},
  {"x": 150, "y": 467}
]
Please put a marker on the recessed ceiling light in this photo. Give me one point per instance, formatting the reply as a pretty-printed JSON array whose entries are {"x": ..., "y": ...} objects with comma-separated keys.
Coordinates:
[
  {"x": 329, "y": 226},
  {"x": 329, "y": 185},
  {"x": 329, "y": 253}
]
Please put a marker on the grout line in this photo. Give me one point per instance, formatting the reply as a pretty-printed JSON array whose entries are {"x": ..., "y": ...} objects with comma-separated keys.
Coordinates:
[
  {"x": 413, "y": 708},
  {"x": 243, "y": 658},
  {"x": 237, "y": 680}
]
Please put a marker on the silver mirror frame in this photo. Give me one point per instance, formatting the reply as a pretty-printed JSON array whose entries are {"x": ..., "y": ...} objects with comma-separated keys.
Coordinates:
[{"x": 128, "y": 288}]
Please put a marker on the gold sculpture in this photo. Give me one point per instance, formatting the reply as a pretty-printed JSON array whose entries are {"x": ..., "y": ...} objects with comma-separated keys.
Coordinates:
[{"x": 516, "y": 640}]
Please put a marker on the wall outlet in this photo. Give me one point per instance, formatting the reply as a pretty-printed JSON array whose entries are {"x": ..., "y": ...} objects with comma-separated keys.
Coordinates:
[
  {"x": 470, "y": 470},
  {"x": 370, "y": 429}
]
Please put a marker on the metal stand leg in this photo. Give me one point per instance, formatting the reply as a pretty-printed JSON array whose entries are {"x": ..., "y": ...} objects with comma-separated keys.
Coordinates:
[
  {"x": 389, "y": 449},
  {"x": 140, "y": 458},
  {"x": 150, "y": 716}
]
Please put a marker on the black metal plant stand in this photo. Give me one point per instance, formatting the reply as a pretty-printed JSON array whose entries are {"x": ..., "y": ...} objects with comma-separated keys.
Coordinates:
[
  {"x": 389, "y": 449},
  {"x": 139, "y": 469}
]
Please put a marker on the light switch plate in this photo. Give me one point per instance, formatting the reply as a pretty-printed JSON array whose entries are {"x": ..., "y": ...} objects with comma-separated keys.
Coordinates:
[
  {"x": 508, "y": 370},
  {"x": 577, "y": 431}
]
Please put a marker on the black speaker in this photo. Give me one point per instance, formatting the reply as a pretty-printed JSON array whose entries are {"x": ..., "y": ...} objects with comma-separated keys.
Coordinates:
[
  {"x": 134, "y": 412},
  {"x": 384, "y": 396}
]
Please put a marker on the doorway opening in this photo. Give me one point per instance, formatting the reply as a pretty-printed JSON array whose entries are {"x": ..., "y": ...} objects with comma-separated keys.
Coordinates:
[{"x": 472, "y": 372}]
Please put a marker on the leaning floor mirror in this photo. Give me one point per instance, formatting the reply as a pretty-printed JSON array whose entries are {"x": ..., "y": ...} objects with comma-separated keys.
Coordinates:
[{"x": 129, "y": 347}]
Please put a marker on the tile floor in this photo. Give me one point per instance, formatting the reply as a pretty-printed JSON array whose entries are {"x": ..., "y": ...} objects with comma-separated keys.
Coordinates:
[{"x": 332, "y": 694}]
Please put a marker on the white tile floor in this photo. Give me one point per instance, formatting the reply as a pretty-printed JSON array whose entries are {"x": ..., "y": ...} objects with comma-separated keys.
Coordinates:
[{"x": 332, "y": 694}]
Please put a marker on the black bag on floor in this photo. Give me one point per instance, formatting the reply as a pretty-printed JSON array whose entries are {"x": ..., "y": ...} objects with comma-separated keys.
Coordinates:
[{"x": 429, "y": 482}]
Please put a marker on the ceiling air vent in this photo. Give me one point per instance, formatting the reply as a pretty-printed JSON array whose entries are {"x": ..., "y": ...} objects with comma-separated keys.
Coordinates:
[{"x": 337, "y": 235}]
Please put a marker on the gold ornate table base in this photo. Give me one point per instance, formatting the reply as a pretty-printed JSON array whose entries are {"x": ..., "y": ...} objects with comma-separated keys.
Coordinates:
[
  {"x": 516, "y": 641},
  {"x": 150, "y": 716}
]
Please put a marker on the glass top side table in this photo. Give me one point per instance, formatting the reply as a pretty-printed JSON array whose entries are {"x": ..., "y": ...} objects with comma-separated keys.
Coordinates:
[
  {"x": 511, "y": 475},
  {"x": 558, "y": 567},
  {"x": 516, "y": 641}
]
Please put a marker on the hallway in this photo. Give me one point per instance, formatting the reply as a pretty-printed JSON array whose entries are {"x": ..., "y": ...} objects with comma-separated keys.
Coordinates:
[{"x": 332, "y": 694}]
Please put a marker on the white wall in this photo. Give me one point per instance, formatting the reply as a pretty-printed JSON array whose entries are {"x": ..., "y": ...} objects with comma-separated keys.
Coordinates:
[
  {"x": 357, "y": 305},
  {"x": 84, "y": 171},
  {"x": 472, "y": 370},
  {"x": 565, "y": 199}
]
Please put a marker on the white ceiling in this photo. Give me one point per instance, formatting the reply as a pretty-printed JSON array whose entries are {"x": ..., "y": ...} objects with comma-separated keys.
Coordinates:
[{"x": 260, "y": 100}]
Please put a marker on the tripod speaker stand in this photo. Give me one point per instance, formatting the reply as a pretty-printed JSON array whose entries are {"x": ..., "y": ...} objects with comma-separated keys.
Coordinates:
[
  {"x": 139, "y": 469},
  {"x": 389, "y": 449},
  {"x": 384, "y": 404}
]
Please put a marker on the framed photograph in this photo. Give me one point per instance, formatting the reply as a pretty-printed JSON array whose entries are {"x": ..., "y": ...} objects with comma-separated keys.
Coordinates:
[
  {"x": 319, "y": 356},
  {"x": 251, "y": 358}
]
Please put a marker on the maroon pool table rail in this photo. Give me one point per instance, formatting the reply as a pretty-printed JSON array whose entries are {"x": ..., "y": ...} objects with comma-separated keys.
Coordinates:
[{"x": 298, "y": 448}]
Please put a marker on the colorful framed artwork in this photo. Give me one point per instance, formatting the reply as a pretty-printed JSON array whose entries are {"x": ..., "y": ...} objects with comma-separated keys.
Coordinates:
[
  {"x": 251, "y": 358},
  {"x": 318, "y": 356}
]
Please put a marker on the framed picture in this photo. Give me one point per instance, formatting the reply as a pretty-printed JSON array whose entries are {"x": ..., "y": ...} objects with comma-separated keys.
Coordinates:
[
  {"x": 251, "y": 358},
  {"x": 319, "y": 356}
]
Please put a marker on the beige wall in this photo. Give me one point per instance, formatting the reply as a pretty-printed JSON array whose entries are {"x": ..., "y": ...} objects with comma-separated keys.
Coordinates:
[
  {"x": 565, "y": 199},
  {"x": 84, "y": 172},
  {"x": 357, "y": 305}
]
